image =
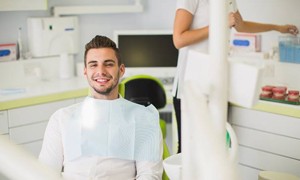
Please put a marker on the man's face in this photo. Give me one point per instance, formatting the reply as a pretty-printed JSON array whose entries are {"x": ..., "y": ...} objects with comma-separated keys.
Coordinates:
[{"x": 103, "y": 73}]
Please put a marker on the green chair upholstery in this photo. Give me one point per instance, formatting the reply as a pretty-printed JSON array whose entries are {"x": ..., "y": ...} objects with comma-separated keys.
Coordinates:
[
  {"x": 163, "y": 128},
  {"x": 146, "y": 90}
]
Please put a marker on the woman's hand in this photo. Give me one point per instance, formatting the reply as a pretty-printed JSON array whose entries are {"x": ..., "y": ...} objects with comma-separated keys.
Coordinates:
[
  {"x": 231, "y": 20},
  {"x": 292, "y": 29},
  {"x": 235, "y": 20}
]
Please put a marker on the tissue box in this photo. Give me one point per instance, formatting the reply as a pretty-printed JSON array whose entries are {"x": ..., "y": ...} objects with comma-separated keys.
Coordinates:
[
  {"x": 289, "y": 49},
  {"x": 245, "y": 77},
  {"x": 8, "y": 52}
]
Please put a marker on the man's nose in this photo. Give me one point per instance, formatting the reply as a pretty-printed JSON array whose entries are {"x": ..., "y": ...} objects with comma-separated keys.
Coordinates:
[{"x": 101, "y": 70}]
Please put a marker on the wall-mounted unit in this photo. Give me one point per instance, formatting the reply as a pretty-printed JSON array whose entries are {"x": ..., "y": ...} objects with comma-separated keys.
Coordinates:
[{"x": 50, "y": 36}]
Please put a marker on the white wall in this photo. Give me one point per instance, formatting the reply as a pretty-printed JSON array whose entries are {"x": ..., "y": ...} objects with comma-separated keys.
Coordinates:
[
  {"x": 271, "y": 11},
  {"x": 158, "y": 14}
]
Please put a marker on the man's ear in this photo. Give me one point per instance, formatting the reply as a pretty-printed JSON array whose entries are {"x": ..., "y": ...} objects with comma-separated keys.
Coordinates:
[
  {"x": 122, "y": 70},
  {"x": 84, "y": 71}
]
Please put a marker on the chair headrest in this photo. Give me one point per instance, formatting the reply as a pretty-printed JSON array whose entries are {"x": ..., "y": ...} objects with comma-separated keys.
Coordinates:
[{"x": 145, "y": 91}]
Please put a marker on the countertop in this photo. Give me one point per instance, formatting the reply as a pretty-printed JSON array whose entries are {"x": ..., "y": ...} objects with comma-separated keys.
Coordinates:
[
  {"x": 278, "y": 108},
  {"x": 61, "y": 89},
  {"x": 42, "y": 92}
]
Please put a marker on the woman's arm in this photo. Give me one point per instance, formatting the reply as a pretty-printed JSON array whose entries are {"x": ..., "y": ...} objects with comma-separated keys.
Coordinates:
[
  {"x": 253, "y": 27},
  {"x": 182, "y": 34}
]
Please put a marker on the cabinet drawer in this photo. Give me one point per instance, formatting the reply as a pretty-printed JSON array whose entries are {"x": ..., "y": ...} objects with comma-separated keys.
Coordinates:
[
  {"x": 3, "y": 122},
  {"x": 33, "y": 147},
  {"x": 268, "y": 122},
  {"x": 247, "y": 173},
  {"x": 80, "y": 99},
  {"x": 36, "y": 113},
  {"x": 273, "y": 143},
  {"x": 28, "y": 133},
  {"x": 267, "y": 161}
]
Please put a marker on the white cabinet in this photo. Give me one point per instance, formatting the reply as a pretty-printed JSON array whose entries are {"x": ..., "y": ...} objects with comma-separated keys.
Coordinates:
[
  {"x": 266, "y": 142},
  {"x": 3, "y": 122},
  {"x": 26, "y": 125},
  {"x": 28, "y": 132},
  {"x": 35, "y": 113}
]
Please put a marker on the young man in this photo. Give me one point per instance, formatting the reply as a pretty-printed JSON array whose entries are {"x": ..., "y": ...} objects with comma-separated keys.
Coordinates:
[{"x": 105, "y": 136}]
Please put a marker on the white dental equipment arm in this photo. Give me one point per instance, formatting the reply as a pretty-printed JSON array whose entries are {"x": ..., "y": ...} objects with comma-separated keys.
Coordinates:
[{"x": 15, "y": 163}]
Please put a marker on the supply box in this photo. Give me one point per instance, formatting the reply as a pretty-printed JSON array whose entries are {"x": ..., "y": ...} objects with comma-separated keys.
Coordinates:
[
  {"x": 289, "y": 49},
  {"x": 8, "y": 52},
  {"x": 246, "y": 42}
]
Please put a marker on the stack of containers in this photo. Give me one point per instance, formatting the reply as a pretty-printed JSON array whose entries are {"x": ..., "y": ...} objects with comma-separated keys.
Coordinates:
[
  {"x": 279, "y": 94},
  {"x": 289, "y": 49}
]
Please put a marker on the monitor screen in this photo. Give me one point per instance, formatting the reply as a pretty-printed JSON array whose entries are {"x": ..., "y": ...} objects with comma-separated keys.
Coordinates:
[{"x": 147, "y": 48}]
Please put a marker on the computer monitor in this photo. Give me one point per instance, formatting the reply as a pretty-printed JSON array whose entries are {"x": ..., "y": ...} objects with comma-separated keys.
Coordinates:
[{"x": 147, "y": 52}]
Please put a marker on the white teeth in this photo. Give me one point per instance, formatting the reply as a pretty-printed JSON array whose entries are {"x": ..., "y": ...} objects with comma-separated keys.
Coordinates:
[{"x": 100, "y": 80}]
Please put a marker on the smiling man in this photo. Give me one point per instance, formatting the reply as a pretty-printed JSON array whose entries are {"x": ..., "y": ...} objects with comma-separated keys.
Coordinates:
[
  {"x": 105, "y": 136},
  {"x": 103, "y": 68}
]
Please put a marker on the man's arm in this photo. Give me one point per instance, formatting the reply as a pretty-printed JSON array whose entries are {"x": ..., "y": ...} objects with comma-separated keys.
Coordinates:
[
  {"x": 150, "y": 170},
  {"x": 52, "y": 151}
]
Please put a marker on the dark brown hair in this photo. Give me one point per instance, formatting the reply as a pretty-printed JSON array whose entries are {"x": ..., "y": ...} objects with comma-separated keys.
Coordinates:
[{"x": 102, "y": 42}]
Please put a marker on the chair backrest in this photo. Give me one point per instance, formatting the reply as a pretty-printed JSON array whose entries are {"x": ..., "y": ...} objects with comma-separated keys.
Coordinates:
[{"x": 143, "y": 89}]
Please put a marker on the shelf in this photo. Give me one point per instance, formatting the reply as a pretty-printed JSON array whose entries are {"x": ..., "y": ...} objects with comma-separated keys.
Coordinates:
[
  {"x": 104, "y": 9},
  {"x": 23, "y": 5}
]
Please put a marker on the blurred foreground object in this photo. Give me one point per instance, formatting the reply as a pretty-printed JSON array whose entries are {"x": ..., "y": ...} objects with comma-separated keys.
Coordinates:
[{"x": 18, "y": 164}]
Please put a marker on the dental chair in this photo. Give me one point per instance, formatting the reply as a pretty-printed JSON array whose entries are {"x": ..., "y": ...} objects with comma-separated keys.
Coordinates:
[{"x": 146, "y": 90}]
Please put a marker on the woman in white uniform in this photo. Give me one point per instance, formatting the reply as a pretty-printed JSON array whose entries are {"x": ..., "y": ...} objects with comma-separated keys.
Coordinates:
[{"x": 191, "y": 27}]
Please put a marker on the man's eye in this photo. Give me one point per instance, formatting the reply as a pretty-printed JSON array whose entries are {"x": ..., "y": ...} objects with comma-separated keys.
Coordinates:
[
  {"x": 109, "y": 64},
  {"x": 93, "y": 65}
]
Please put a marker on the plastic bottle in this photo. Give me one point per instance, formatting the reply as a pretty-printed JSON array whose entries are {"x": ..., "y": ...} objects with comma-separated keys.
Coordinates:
[{"x": 19, "y": 45}]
